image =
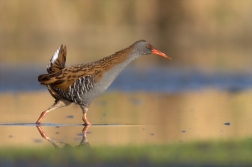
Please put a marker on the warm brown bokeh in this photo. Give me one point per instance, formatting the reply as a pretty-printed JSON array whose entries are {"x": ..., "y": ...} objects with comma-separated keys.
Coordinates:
[
  {"x": 211, "y": 35},
  {"x": 197, "y": 34}
]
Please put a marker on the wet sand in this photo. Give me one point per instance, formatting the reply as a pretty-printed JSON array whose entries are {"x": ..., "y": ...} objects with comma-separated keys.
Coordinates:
[{"x": 121, "y": 118}]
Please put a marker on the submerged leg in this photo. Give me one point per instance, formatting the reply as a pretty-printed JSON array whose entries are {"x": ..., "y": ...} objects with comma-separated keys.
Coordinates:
[
  {"x": 84, "y": 116},
  {"x": 57, "y": 104}
]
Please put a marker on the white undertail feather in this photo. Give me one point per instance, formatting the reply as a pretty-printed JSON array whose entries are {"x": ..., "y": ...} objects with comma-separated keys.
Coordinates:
[{"x": 54, "y": 57}]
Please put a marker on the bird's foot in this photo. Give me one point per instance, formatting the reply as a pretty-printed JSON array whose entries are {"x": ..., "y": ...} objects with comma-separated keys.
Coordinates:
[
  {"x": 86, "y": 123},
  {"x": 41, "y": 117}
]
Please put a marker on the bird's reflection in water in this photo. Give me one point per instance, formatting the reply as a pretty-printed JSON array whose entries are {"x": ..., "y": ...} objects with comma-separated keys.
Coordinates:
[{"x": 57, "y": 144}]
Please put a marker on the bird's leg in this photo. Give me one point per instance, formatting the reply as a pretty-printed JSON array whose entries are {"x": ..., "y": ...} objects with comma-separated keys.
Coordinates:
[
  {"x": 84, "y": 116},
  {"x": 41, "y": 116},
  {"x": 57, "y": 104}
]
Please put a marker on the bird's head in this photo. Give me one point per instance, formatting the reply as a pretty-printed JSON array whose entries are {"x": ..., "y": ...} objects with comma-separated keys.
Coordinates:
[{"x": 144, "y": 48}]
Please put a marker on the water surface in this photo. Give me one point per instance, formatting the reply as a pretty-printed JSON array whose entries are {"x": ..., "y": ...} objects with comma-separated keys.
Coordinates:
[{"x": 121, "y": 118}]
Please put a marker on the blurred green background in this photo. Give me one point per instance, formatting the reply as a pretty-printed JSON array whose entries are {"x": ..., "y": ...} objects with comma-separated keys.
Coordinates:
[{"x": 207, "y": 35}]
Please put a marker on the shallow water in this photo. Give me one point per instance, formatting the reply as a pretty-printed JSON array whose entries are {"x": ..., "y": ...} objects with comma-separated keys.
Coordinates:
[
  {"x": 121, "y": 118},
  {"x": 153, "y": 106}
]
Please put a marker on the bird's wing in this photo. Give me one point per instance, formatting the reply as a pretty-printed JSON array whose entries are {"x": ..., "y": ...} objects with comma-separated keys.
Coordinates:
[
  {"x": 58, "y": 60},
  {"x": 66, "y": 77}
]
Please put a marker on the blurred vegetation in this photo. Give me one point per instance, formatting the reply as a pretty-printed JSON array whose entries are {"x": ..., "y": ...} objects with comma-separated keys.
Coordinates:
[
  {"x": 211, "y": 153},
  {"x": 200, "y": 34}
]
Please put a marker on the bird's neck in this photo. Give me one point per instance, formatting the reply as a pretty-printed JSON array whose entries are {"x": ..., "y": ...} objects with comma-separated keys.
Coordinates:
[
  {"x": 119, "y": 59},
  {"x": 114, "y": 64}
]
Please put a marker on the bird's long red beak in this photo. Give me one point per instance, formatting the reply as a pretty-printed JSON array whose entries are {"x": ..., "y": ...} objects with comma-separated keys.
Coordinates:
[{"x": 157, "y": 52}]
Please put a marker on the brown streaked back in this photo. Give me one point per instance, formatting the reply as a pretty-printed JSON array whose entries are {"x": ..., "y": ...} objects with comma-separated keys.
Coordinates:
[{"x": 65, "y": 77}]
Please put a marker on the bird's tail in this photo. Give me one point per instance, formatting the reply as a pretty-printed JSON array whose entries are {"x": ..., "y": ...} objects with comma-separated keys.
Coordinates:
[
  {"x": 58, "y": 60},
  {"x": 55, "y": 65}
]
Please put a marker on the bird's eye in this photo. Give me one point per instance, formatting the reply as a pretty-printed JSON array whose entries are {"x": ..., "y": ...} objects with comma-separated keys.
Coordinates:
[{"x": 148, "y": 46}]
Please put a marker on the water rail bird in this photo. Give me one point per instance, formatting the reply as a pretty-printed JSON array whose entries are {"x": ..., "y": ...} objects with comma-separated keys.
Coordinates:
[{"x": 81, "y": 83}]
